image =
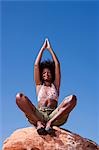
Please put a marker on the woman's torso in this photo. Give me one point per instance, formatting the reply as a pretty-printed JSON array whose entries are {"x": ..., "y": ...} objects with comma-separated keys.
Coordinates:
[{"x": 47, "y": 96}]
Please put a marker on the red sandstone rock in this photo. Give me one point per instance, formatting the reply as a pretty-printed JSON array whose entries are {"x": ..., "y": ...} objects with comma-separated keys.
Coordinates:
[{"x": 29, "y": 139}]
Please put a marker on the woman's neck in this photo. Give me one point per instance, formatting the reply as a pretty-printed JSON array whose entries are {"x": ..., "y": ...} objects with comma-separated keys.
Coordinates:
[{"x": 47, "y": 83}]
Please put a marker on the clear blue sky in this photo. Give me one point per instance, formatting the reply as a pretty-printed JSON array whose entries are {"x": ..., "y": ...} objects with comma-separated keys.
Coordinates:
[{"x": 72, "y": 28}]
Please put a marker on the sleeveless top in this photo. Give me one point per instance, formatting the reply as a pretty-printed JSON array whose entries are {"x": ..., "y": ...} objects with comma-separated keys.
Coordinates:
[{"x": 48, "y": 92}]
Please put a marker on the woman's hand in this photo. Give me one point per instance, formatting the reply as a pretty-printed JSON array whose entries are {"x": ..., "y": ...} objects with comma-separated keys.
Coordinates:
[
  {"x": 48, "y": 44},
  {"x": 44, "y": 45}
]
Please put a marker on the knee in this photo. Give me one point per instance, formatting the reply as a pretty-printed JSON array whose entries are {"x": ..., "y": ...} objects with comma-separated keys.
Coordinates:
[
  {"x": 71, "y": 99},
  {"x": 20, "y": 99},
  {"x": 74, "y": 99}
]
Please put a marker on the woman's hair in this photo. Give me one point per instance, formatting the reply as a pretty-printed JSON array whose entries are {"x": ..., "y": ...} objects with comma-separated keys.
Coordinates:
[{"x": 50, "y": 65}]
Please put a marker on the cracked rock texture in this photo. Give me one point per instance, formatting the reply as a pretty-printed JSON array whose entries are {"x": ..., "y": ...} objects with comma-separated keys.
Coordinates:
[{"x": 60, "y": 139}]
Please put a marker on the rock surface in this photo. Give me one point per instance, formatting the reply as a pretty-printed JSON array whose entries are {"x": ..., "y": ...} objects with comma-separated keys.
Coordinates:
[{"x": 60, "y": 139}]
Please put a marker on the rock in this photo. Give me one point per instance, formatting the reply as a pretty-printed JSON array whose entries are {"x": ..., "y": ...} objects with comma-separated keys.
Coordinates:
[{"x": 60, "y": 139}]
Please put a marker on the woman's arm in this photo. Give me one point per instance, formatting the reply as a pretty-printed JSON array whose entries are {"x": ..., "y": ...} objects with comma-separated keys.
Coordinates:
[
  {"x": 37, "y": 63},
  {"x": 57, "y": 66}
]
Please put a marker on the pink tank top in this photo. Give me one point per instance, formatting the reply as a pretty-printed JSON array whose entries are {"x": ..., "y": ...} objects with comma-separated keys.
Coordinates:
[{"x": 49, "y": 92}]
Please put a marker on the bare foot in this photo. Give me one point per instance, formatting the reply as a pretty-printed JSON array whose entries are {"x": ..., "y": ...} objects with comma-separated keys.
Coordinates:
[
  {"x": 40, "y": 128},
  {"x": 49, "y": 128}
]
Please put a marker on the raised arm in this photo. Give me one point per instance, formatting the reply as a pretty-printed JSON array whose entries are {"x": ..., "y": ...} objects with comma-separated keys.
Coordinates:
[
  {"x": 37, "y": 63},
  {"x": 57, "y": 66}
]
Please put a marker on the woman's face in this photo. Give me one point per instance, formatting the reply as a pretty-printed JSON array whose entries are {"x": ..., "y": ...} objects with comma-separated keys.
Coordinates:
[{"x": 46, "y": 75}]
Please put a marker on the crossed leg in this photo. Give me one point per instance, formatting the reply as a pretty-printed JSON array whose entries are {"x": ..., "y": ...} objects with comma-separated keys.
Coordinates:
[
  {"x": 29, "y": 109},
  {"x": 62, "y": 110}
]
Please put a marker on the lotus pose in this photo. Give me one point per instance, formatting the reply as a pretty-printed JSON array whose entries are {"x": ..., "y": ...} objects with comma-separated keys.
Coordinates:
[{"x": 47, "y": 78}]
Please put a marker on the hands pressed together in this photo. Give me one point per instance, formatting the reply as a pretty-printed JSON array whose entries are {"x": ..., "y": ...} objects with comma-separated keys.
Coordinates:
[{"x": 46, "y": 45}]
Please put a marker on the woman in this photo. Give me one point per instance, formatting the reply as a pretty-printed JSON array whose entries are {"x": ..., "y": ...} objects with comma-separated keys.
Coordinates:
[{"x": 47, "y": 77}]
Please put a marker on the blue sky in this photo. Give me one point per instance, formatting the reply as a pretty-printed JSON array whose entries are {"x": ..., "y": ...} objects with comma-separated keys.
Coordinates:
[{"x": 72, "y": 29}]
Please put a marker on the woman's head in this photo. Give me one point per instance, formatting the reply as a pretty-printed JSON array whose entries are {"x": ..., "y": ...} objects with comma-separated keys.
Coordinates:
[{"x": 47, "y": 71}]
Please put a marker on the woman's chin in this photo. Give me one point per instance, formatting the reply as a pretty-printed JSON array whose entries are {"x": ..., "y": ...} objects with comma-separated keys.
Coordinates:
[{"x": 47, "y": 80}]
